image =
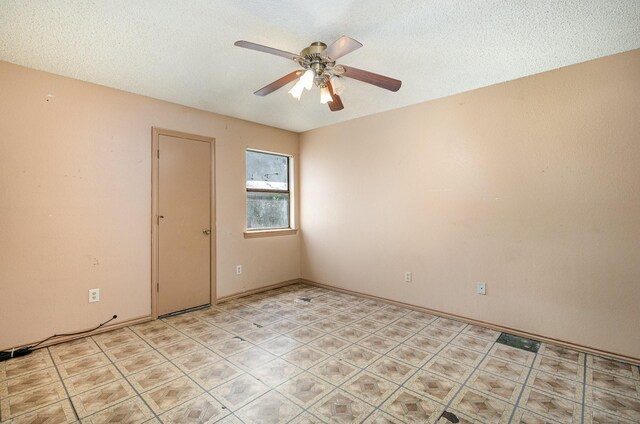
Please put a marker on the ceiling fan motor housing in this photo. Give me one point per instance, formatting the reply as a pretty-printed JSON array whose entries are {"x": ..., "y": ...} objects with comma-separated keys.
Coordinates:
[{"x": 311, "y": 58}]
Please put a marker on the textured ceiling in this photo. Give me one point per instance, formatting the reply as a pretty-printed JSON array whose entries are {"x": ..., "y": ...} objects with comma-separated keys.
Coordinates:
[{"x": 182, "y": 50}]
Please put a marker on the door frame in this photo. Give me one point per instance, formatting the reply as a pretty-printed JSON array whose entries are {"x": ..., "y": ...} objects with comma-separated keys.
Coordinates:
[{"x": 155, "y": 240}]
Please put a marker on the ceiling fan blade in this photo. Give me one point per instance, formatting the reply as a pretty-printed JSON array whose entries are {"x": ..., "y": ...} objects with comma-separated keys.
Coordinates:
[
  {"x": 279, "y": 83},
  {"x": 336, "y": 103},
  {"x": 341, "y": 47},
  {"x": 371, "y": 78},
  {"x": 265, "y": 49}
]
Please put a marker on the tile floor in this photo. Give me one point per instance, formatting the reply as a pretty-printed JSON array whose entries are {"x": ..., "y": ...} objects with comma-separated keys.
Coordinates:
[{"x": 274, "y": 358}]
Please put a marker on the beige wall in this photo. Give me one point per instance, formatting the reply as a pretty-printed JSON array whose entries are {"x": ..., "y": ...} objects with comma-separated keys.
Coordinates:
[
  {"x": 75, "y": 172},
  {"x": 532, "y": 186}
]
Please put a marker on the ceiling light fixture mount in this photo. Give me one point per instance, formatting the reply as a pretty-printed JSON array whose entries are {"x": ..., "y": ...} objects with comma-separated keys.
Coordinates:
[{"x": 320, "y": 70}]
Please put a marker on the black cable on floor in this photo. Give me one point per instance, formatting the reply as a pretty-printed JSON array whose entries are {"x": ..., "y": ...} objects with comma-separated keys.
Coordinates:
[{"x": 23, "y": 351}]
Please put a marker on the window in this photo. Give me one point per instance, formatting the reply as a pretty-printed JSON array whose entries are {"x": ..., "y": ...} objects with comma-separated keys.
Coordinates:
[{"x": 268, "y": 195}]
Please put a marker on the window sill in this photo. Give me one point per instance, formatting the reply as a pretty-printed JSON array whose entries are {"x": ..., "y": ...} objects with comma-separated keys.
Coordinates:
[{"x": 269, "y": 233}]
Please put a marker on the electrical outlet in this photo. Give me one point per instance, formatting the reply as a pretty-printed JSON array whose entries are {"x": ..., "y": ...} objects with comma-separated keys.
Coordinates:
[
  {"x": 408, "y": 277},
  {"x": 238, "y": 269},
  {"x": 481, "y": 288},
  {"x": 94, "y": 295}
]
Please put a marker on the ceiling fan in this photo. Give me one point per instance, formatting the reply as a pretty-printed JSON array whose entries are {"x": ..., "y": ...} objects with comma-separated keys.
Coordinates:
[{"x": 320, "y": 69}]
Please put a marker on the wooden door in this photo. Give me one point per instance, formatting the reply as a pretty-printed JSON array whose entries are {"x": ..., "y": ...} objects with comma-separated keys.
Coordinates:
[{"x": 184, "y": 219}]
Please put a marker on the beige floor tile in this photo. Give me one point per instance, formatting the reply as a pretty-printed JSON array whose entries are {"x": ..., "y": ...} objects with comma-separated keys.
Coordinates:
[
  {"x": 559, "y": 367},
  {"x": 596, "y": 416},
  {"x": 391, "y": 369},
  {"x": 448, "y": 368},
  {"x": 462, "y": 355},
  {"x": 240, "y": 391},
  {"x": 433, "y": 386},
  {"x": 306, "y": 318},
  {"x": 139, "y": 362},
  {"x": 153, "y": 377},
  {"x": 341, "y": 407},
  {"x": 182, "y": 321},
  {"x": 463, "y": 418},
  {"x": 495, "y": 386},
  {"x": 130, "y": 412},
  {"x": 30, "y": 401},
  {"x": 72, "y": 350},
  {"x": 380, "y": 417},
  {"x": 329, "y": 344},
  {"x": 369, "y": 387},
  {"x": 327, "y": 325},
  {"x": 213, "y": 337},
  {"x": 200, "y": 327},
  {"x": 180, "y": 348},
  {"x": 367, "y": 325},
  {"x": 280, "y": 345},
  {"x": 482, "y": 332},
  {"x": 559, "y": 352},
  {"x": 553, "y": 383},
  {"x": 422, "y": 317},
  {"x": 613, "y": 367},
  {"x": 283, "y": 326},
  {"x": 275, "y": 372},
  {"x": 128, "y": 350},
  {"x": 550, "y": 406},
  {"x": 378, "y": 344},
  {"x": 38, "y": 360},
  {"x": 450, "y": 324},
  {"x": 474, "y": 343},
  {"x": 351, "y": 334},
  {"x": 272, "y": 408},
  {"x": 511, "y": 354},
  {"x": 92, "y": 401},
  {"x": 56, "y": 413},
  {"x": 334, "y": 371},
  {"x": 306, "y": 334},
  {"x": 409, "y": 324},
  {"x": 384, "y": 317},
  {"x": 425, "y": 343},
  {"x": 410, "y": 355},
  {"x": 216, "y": 374},
  {"x": 305, "y": 389},
  {"x": 151, "y": 329},
  {"x": 410, "y": 407},
  {"x": 251, "y": 358},
  {"x": 522, "y": 416},
  {"x": 114, "y": 338},
  {"x": 165, "y": 339},
  {"x": 506, "y": 369},
  {"x": 228, "y": 347},
  {"x": 394, "y": 333},
  {"x": 196, "y": 360},
  {"x": 82, "y": 365},
  {"x": 240, "y": 328},
  {"x": 27, "y": 382},
  {"x": 304, "y": 357},
  {"x": 481, "y": 407},
  {"x": 91, "y": 379},
  {"x": 613, "y": 403},
  {"x": 438, "y": 333},
  {"x": 307, "y": 418},
  {"x": 204, "y": 409},
  {"x": 171, "y": 394},
  {"x": 613, "y": 383},
  {"x": 260, "y": 335}
]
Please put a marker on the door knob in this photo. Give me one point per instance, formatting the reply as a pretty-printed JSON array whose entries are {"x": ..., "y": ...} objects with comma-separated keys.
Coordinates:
[{"x": 206, "y": 231}]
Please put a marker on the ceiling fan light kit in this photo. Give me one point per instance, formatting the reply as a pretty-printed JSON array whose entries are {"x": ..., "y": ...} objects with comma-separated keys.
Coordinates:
[{"x": 321, "y": 70}]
